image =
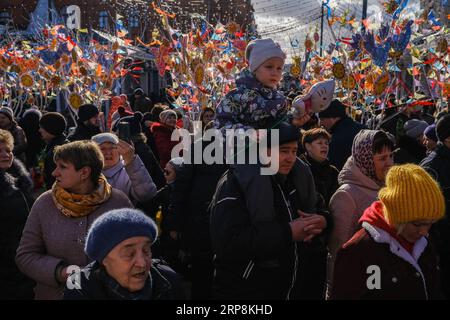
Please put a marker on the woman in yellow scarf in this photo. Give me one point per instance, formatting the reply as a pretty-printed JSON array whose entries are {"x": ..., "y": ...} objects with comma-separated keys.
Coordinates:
[{"x": 52, "y": 243}]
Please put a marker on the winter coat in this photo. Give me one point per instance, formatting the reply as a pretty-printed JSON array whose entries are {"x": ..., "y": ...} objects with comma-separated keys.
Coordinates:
[
  {"x": 15, "y": 204},
  {"x": 402, "y": 276},
  {"x": 325, "y": 177},
  {"x": 83, "y": 132},
  {"x": 258, "y": 259},
  {"x": 409, "y": 151},
  {"x": 250, "y": 105},
  {"x": 20, "y": 142},
  {"x": 356, "y": 193},
  {"x": 50, "y": 238},
  {"x": 343, "y": 133},
  {"x": 437, "y": 164},
  {"x": 49, "y": 164},
  {"x": 164, "y": 144},
  {"x": 166, "y": 284},
  {"x": 133, "y": 180}
]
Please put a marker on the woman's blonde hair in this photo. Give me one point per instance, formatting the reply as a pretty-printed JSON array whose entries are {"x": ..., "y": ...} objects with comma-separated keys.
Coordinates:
[
  {"x": 82, "y": 154},
  {"x": 7, "y": 138}
]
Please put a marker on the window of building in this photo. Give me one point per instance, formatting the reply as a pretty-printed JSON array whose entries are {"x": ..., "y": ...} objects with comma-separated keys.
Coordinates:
[{"x": 103, "y": 20}]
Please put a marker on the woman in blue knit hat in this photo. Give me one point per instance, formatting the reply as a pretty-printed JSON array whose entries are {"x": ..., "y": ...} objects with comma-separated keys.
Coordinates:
[{"x": 120, "y": 243}]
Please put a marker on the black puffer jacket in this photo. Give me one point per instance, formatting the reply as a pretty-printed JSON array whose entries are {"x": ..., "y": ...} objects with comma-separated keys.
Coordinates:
[
  {"x": 15, "y": 204},
  {"x": 166, "y": 284},
  {"x": 258, "y": 259}
]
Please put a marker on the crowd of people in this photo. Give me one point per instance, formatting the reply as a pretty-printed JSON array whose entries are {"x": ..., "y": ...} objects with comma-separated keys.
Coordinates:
[{"x": 105, "y": 211}]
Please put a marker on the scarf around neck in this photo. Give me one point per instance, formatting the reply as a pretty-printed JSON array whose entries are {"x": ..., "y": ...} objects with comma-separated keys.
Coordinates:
[{"x": 79, "y": 205}]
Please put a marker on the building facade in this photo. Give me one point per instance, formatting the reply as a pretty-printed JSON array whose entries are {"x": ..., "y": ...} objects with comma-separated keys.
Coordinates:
[{"x": 139, "y": 18}]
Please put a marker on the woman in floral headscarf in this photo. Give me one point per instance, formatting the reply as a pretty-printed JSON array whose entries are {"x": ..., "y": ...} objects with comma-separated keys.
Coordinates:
[
  {"x": 360, "y": 180},
  {"x": 52, "y": 243}
]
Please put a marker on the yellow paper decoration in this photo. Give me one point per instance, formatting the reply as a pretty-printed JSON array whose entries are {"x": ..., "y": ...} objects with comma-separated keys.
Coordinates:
[
  {"x": 27, "y": 80},
  {"x": 75, "y": 100},
  {"x": 338, "y": 70},
  {"x": 295, "y": 70},
  {"x": 199, "y": 75},
  {"x": 349, "y": 82}
]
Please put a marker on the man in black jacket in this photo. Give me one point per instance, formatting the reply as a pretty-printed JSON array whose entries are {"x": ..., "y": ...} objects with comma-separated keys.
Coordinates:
[
  {"x": 192, "y": 193},
  {"x": 437, "y": 163},
  {"x": 343, "y": 130},
  {"x": 260, "y": 257},
  {"x": 51, "y": 127}
]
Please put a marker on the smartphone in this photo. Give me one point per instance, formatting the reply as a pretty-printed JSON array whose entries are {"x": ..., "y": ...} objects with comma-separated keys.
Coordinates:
[{"x": 124, "y": 131}]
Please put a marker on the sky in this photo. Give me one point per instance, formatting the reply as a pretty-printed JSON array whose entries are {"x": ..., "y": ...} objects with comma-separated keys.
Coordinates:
[{"x": 286, "y": 20}]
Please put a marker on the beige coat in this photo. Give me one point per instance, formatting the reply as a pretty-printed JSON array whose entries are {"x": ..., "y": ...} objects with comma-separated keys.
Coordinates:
[{"x": 355, "y": 194}]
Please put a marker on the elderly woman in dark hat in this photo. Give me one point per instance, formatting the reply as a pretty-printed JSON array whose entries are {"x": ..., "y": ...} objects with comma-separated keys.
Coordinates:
[
  {"x": 54, "y": 234},
  {"x": 51, "y": 127},
  {"x": 120, "y": 243}
]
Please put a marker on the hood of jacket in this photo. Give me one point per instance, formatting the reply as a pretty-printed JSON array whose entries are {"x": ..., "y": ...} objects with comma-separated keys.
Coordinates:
[
  {"x": 246, "y": 80},
  {"x": 351, "y": 174}
]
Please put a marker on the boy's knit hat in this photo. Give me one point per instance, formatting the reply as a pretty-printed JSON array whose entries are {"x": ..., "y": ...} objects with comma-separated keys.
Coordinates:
[
  {"x": 411, "y": 194},
  {"x": 260, "y": 50}
]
